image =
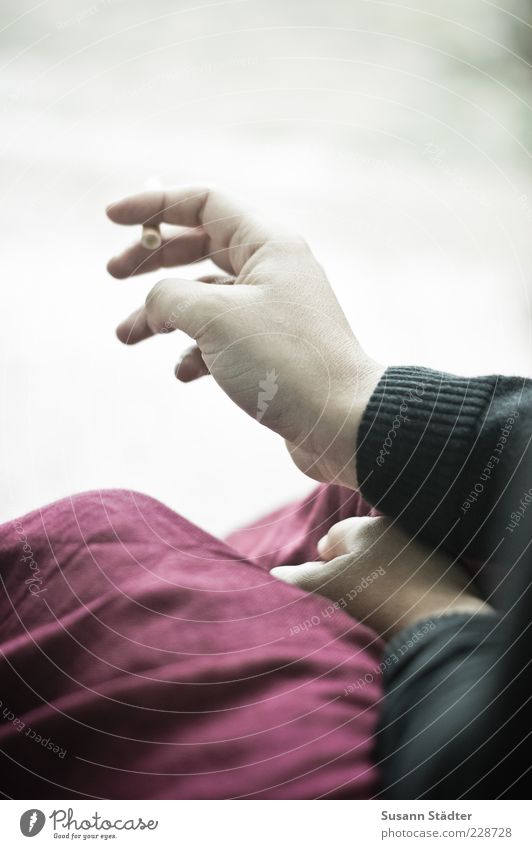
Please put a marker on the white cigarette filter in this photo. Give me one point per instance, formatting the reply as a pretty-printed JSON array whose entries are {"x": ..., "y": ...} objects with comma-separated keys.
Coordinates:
[{"x": 151, "y": 237}]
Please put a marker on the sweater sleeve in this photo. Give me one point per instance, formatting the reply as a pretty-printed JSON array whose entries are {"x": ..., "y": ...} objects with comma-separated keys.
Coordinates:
[
  {"x": 449, "y": 456},
  {"x": 437, "y": 735},
  {"x": 451, "y": 459}
]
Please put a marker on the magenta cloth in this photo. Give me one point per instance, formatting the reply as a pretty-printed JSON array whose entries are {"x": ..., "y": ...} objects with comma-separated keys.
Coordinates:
[{"x": 140, "y": 657}]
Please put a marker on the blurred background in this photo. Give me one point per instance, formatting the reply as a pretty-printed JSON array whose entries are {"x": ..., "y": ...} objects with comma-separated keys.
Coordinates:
[{"x": 395, "y": 137}]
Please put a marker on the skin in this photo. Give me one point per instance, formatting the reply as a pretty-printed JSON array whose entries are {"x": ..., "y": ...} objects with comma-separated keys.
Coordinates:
[
  {"x": 409, "y": 581},
  {"x": 273, "y": 312},
  {"x": 277, "y": 313}
]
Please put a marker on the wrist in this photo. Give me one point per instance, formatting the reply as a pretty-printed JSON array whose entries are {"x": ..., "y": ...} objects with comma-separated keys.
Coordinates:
[
  {"x": 468, "y": 605},
  {"x": 326, "y": 452},
  {"x": 353, "y": 403}
]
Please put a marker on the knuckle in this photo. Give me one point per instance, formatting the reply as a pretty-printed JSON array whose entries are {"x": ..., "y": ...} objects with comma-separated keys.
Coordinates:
[
  {"x": 154, "y": 295},
  {"x": 206, "y": 195},
  {"x": 157, "y": 301}
]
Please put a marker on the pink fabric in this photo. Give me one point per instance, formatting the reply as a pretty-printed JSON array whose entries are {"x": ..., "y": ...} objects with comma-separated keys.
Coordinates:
[{"x": 142, "y": 658}]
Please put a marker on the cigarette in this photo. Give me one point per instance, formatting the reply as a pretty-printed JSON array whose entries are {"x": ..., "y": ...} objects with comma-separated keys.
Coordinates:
[{"x": 151, "y": 235}]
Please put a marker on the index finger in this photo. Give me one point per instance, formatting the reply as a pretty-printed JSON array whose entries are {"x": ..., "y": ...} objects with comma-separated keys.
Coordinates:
[
  {"x": 228, "y": 225},
  {"x": 183, "y": 206}
]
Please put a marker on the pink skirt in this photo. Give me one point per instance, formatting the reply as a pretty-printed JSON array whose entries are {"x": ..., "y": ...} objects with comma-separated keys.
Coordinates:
[{"x": 140, "y": 657}]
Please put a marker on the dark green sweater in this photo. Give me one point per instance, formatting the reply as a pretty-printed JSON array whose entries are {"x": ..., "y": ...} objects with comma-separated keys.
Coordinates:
[{"x": 451, "y": 459}]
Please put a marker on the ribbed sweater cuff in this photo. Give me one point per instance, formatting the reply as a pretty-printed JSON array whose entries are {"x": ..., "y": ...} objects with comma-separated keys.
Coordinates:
[
  {"x": 433, "y": 634},
  {"x": 416, "y": 437}
]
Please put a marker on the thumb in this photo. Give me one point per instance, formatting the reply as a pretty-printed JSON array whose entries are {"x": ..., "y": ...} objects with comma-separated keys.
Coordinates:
[
  {"x": 307, "y": 576},
  {"x": 173, "y": 304}
]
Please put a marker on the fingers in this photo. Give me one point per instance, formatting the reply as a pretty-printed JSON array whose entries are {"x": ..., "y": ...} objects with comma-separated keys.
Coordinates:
[
  {"x": 135, "y": 328},
  {"x": 349, "y": 535},
  {"x": 182, "y": 249},
  {"x": 326, "y": 579},
  {"x": 307, "y": 576},
  {"x": 187, "y": 207},
  {"x": 187, "y": 305},
  {"x": 233, "y": 234},
  {"x": 191, "y": 365}
]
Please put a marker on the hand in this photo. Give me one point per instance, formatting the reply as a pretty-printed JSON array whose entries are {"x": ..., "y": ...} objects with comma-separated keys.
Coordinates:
[
  {"x": 383, "y": 578},
  {"x": 274, "y": 337}
]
